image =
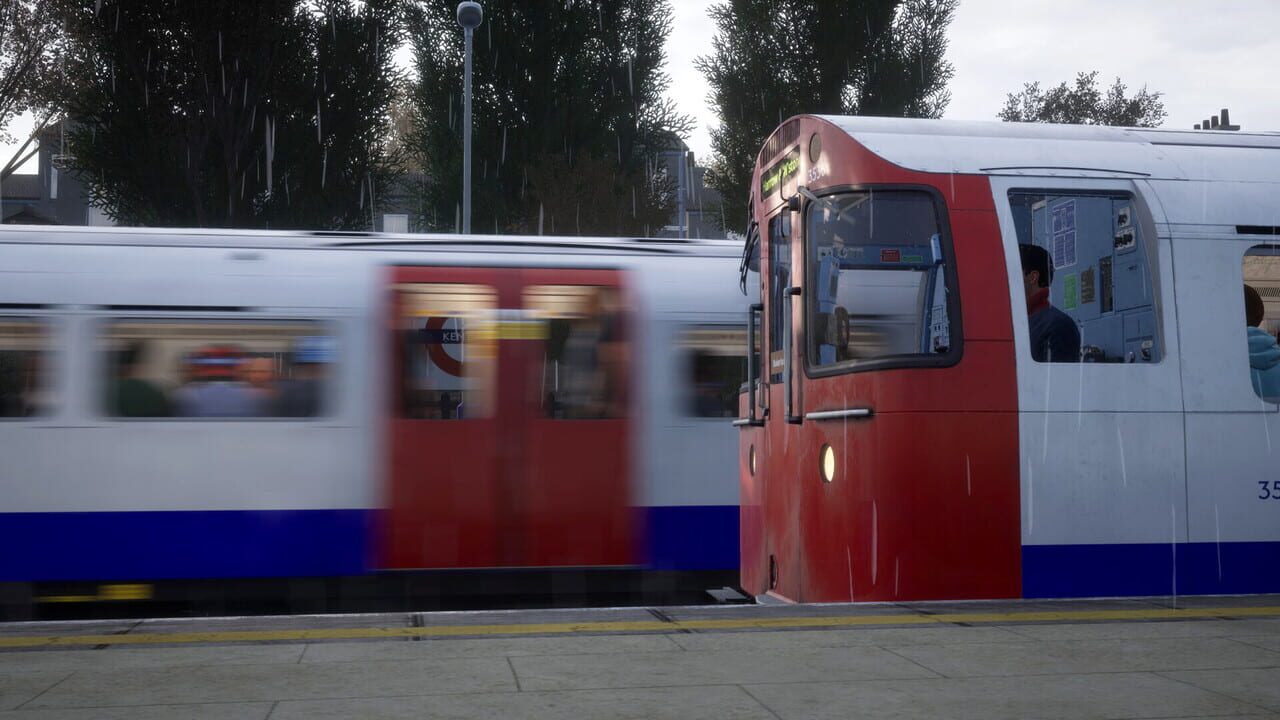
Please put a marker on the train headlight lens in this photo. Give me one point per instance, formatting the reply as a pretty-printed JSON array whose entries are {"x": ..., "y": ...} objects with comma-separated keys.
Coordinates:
[
  {"x": 751, "y": 460},
  {"x": 828, "y": 463}
]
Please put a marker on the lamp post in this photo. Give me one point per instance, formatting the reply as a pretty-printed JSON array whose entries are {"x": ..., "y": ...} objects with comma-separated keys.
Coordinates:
[{"x": 470, "y": 15}]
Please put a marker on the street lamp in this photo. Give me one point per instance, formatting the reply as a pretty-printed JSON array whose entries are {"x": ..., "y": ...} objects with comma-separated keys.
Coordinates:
[{"x": 470, "y": 15}]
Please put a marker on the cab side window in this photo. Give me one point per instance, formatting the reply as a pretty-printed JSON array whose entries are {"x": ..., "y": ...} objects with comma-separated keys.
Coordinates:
[
  {"x": 1086, "y": 272},
  {"x": 779, "y": 280}
]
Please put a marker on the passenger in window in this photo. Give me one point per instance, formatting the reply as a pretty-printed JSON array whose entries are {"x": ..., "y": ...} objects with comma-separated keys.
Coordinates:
[
  {"x": 217, "y": 390},
  {"x": 129, "y": 395},
  {"x": 259, "y": 373},
  {"x": 1054, "y": 335},
  {"x": 1264, "y": 353},
  {"x": 299, "y": 395}
]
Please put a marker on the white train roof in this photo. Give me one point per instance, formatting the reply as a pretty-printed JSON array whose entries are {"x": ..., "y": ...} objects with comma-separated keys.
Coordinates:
[
  {"x": 212, "y": 237},
  {"x": 947, "y": 146}
]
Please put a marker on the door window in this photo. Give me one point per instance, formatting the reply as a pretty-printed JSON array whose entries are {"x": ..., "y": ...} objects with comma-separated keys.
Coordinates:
[
  {"x": 582, "y": 371},
  {"x": 779, "y": 280},
  {"x": 448, "y": 350},
  {"x": 879, "y": 275}
]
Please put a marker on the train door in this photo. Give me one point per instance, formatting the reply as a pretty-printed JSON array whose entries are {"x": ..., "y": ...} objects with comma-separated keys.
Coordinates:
[
  {"x": 1100, "y": 390},
  {"x": 773, "y": 491},
  {"x": 573, "y": 494},
  {"x": 509, "y": 419}
]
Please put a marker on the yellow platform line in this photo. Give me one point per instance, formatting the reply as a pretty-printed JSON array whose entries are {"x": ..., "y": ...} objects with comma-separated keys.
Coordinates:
[{"x": 629, "y": 626}]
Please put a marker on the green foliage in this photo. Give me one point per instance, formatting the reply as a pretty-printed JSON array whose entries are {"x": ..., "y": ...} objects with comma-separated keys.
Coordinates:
[
  {"x": 271, "y": 113},
  {"x": 1085, "y": 104},
  {"x": 772, "y": 59},
  {"x": 30, "y": 44},
  {"x": 567, "y": 97}
]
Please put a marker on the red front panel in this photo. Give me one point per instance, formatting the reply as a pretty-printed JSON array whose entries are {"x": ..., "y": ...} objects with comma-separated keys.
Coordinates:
[
  {"x": 508, "y": 438},
  {"x": 924, "y": 502}
]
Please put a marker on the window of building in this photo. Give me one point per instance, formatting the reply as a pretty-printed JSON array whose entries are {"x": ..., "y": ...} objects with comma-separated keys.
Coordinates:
[
  {"x": 878, "y": 279},
  {"x": 583, "y": 370},
  {"x": 1262, "y": 319},
  {"x": 24, "y": 368},
  {"x": 716, "y": 366},
  {"x": 216, "y": 369},
  {"x": 1086, "y": 270},
  {"x": 448, "y": 351}
]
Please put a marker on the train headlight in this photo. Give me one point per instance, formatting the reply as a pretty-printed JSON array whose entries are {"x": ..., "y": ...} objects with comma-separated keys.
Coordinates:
[
  {"x": 751, "y": 460},
  {"x": 827, "y": 462}
]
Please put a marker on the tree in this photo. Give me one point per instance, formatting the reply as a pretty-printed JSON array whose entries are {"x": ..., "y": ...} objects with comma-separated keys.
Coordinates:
[
  {"x": 772, "y": 59},
  {"x": 565, "y": 95},
  {"x": 192, "y": 112},
  {"x": 1085, "y": 104},
  {"x": 30, "y": 39}
]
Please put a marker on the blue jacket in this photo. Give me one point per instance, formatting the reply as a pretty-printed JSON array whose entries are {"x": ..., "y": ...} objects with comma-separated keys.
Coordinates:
[{"x": 1264, "y": 363}]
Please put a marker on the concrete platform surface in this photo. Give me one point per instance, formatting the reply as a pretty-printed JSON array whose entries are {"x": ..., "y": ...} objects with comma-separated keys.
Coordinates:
[{"x": 1159, "y": 658}]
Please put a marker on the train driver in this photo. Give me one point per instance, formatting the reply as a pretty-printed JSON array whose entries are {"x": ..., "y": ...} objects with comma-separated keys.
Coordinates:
[{"x": 1054, "y": 335}]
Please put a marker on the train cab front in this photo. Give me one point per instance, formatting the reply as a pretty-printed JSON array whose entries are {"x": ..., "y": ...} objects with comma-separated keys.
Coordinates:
[{"x": 878, "y": 456}]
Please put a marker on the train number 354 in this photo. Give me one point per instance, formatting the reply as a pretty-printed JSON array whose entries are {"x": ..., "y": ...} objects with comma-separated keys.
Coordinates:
[{"x": 1269, "y": 490}]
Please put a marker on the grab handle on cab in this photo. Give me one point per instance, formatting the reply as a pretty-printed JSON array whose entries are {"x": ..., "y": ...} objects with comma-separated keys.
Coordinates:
[
  {"x": 753, "y": 370},
  {"x": 787, "y": 294}
]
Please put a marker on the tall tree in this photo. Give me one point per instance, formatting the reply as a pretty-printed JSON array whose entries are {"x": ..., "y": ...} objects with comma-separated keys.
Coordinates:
[
  {"x": 1084, "y": 103},
  {"x": 201, "y": 113},
  {"x": 30, "y": 40},
  {"x": 772, "y": 59},
  {"x": 565, "y": 94}
]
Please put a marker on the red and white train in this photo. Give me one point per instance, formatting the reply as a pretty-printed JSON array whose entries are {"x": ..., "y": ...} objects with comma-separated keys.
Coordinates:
[
  {"x": 315, "y": 420},
  {"x": 900, "y": 436}
]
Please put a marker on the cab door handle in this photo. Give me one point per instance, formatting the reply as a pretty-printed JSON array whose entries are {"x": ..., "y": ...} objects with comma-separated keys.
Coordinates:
[{"x": 845, "y": 414}]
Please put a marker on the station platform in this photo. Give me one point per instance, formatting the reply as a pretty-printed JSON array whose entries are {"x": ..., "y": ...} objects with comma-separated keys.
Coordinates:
[{"x": 1153, "y": 658}]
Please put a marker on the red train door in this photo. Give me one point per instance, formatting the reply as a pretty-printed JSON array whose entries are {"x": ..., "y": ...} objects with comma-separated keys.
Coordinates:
[{"x": 508, "y": 426}]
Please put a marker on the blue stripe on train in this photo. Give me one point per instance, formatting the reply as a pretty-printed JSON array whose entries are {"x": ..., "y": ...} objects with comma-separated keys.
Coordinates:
[
  {"x": 692, "y": 537},
  {"x": 280, "y": 543},
  {"x": 183, "y": 544},
  {"x": 1051, "y": 571}
]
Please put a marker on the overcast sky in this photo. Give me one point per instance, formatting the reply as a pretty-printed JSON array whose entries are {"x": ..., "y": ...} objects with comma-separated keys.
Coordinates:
[{"x": 1203, "y": 55}]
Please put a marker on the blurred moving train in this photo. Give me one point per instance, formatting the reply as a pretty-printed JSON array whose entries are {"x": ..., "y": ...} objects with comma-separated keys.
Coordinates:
[
  {"x": 179, "y": 405},
  {"x": 902, "y": 439}
]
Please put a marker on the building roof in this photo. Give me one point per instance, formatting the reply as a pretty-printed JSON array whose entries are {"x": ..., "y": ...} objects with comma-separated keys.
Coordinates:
[{"x": 22, "y": 186}]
